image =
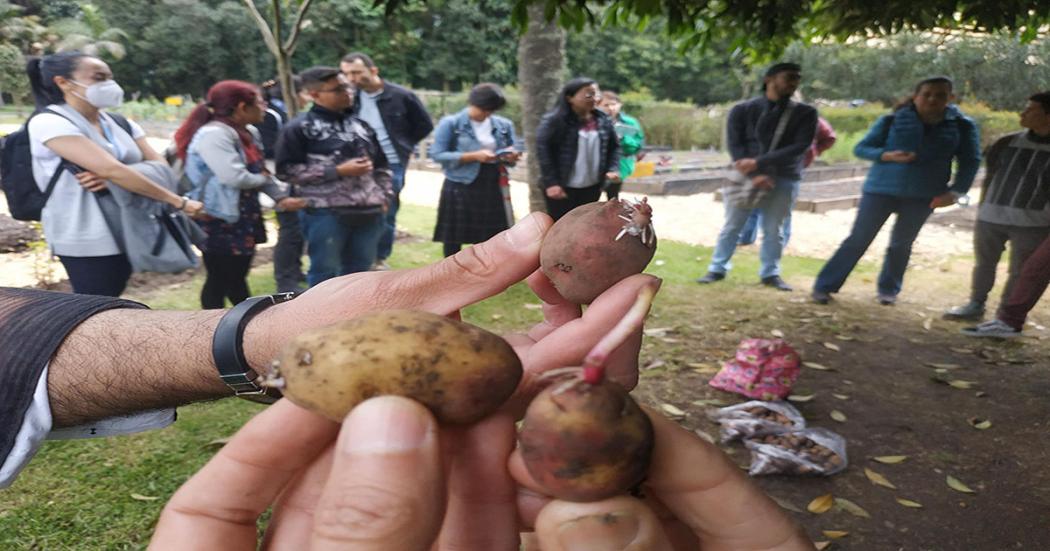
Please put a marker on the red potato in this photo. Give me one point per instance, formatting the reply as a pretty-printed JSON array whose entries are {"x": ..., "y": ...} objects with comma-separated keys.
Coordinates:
[{"x": 596, "y": 245}]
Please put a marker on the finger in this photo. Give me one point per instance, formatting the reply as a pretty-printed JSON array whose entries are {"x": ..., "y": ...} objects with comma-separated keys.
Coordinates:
[
  {"x": 557, "y": 310},
  {"x": 219, "y": 506},
  {"x": 616, "y": 523},
  {"x": 386, "y": 489},
  {"x": 292, "y": 521}
]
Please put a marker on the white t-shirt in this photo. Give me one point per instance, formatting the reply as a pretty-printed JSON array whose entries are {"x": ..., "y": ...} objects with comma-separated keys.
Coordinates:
[
  {"x": 370, "y": 114},
  {"x": 483, "y": 132},
  {"x": 72, "y": 220}
]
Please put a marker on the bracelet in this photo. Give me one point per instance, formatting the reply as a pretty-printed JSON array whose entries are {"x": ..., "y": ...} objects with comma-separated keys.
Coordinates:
[
  {"x": 227, "y": 345},
  {"x": 182, "y": 205}
]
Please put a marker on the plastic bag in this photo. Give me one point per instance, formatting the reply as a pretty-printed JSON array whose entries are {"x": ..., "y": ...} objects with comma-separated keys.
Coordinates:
[
  {"x": 762, "y": 369},
  {"x": 803, "y": 452},
  {"x": 757, "y": 418}
]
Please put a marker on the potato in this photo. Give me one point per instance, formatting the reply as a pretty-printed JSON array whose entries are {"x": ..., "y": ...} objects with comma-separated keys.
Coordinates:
[
  {"x": 596, "y": 245},
  {"x": 460, "y": 372}
]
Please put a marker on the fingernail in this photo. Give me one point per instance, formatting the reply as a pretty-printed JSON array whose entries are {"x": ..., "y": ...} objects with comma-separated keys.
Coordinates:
[
  {"x": 525, "y": 232},
  {"x": 386, "y": 424},
  {"x": 608, "y": 532}
]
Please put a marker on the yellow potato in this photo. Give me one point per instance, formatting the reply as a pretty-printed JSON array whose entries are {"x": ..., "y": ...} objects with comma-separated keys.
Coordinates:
[{"x": 460, "y": 372}]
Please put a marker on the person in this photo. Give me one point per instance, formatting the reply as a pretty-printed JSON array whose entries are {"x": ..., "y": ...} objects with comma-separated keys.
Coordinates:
[
  {"x": 1028, "y": 288},
  {"x": 913, "y": 149},
  {"x": 400, "y": 121},
  {"x": 752, "y": 126},
  {"x": 288, "y": 251},
  {"x": 223, "y": 156},
  {"x": 72, "y": 90},
  {"x": 822, "y": 141},
  {"x": 577, "y": 148},
  {"x": 1015, "y": 205},
  {"x": 474, "y": 148},
  {"x": 632, "y": 139},
  {"x": 337, "y": 164}
]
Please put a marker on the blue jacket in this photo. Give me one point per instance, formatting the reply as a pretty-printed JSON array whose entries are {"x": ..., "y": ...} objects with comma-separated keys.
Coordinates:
[
  {"x": 455, "y": 136},
  {"x": 955, "y": 137}
]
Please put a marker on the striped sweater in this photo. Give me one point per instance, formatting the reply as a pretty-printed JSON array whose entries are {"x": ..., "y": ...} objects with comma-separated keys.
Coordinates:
[{"x": 1017, "y": 184}]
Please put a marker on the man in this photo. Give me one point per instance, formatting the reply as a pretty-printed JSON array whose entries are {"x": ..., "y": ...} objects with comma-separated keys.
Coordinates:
[
  {"x": 400, "y": 122},
  {"x": 751, "y": 128},
  {"x": 337, "y": 164},
  {"x": 1015, "y": 205},
  {"x": 632, "y": 139},
  {"x": 1031, "y": 282}
]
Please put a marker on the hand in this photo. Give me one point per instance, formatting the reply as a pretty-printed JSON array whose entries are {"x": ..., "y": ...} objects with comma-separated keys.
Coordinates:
[
  {"x": 746, "y": 166},
  {"x": 89, "y": 181},
  {"x": 763, "y": 181},
  {"x": 897, "y": 156},
  {"x": 510, "y": 157},
  {"x": 482, "y": 156},
  {"x": 612, "y": 177},
  {"x": 193, "y": 208},
  {"x": 943, "y": 200},
  {"x": 291, "y": 204},
  {"x": 355, "y": 167},
  {"x": 556, "y": 192},
  {"x": 696, "y": 498}
]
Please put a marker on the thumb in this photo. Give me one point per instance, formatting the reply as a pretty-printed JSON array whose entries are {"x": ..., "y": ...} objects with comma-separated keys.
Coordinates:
[
  {"x": 386, "y": 489},
  {"x": 477, "y": 272}
]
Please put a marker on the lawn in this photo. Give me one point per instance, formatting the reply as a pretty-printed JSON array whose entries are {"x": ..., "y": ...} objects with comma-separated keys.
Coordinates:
[{"x": 106, "y": 494}]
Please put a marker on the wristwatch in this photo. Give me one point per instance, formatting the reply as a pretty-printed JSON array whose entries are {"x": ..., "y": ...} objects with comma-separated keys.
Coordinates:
[{"x": 227, "y": 344}]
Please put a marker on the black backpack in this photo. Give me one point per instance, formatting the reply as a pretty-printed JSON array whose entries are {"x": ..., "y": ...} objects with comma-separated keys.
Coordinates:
[{"x": 24, "y": 198}]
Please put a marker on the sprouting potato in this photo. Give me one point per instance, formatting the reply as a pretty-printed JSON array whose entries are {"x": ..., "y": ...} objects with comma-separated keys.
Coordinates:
[{"x": 462, "y": 373}]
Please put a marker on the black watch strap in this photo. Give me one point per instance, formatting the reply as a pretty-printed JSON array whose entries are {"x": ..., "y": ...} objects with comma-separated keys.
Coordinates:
[{"x": 227, "y": 345}]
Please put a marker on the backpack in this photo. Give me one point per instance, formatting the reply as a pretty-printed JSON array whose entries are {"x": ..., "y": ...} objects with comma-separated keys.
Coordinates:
[{"x": 24, "y": 198}]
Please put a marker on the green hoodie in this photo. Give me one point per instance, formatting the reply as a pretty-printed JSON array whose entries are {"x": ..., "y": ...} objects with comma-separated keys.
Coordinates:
[{"x": 631, "y": 141}]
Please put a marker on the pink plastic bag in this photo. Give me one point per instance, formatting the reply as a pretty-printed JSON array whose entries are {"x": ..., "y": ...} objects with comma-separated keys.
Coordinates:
[{"x": 764, "y": 369}]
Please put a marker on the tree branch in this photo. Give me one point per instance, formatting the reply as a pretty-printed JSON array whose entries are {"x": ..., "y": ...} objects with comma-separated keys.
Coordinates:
[
  {"x": 264, "y": 27},
  {"x": 293, "y": 38}
]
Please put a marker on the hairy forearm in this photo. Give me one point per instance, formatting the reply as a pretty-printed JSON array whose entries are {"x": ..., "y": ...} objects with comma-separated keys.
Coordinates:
[{"x": 122, "y": 361}]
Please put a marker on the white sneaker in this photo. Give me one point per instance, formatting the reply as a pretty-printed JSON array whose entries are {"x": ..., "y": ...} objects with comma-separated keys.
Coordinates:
[{"x": 993, "y": 328}]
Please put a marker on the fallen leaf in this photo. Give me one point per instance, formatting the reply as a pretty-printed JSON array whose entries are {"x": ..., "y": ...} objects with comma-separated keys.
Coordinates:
[
  {"x": 958, "y": 486},
  {"x": 821, "y": 545},
  {"x": 777, "y": 333},
  {"x": 890, "y": 459},
  {"x": 659, "y": 262},
  {"x": 801, "y": 397},
  {"x": 217, "y": 443},
  {"x": 840, "y": 396},
  {"x": 962, "y": 350},
  {"x": 980, "y": 394},
  {"x": 845, "y": 337},
  {"x": 818, "y": 367},
  {"x": 821, "y": 504},
  {"x": 710, "y": 439},
  {"x": 943, "y": 365},
  {"x": 916, "y": 341},
  {"x": 785, "y": 504},
  {"x": 832, "y": 346},
  {"x": 709, "y": 402},
  {"x": 979, "y": 424},
  {"x": 655, "y": 364},
  {"x": 497, "y": 316},
  {"x": 141, "y": 497},
  {"x": 878, "y": 479},
  {"x": 835, "y": 534},
  {"x": 670, "y": 340},
  {"x": 909, "y": 503},
  {"x": 928, "y": 324},
  {"x": 672, "y": 410},
  {"x": 657, "y": 331},
  {"x": 838, "y": 416},
  {"x": 960, "y": 384},
  {"x": 532, "y": 306},
  {"x": 851, "y": 508}
]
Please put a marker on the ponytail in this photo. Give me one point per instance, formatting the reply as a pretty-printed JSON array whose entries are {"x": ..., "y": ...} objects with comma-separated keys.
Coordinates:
[
  {"x": 199, "y": 117},
  {"x": 42, "y": 72}
]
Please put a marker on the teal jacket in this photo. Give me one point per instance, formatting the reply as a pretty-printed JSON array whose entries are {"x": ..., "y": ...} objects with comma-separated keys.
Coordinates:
[
  {"x": 632, "y": 139},
  {"x": 954, "y": 138}
]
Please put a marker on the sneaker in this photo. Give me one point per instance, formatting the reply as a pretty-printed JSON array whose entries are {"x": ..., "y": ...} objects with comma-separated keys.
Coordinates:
[
  {"x": 971, "y": 311},
  {"x": 380, "y": 265},
  {"x": 887, "y": 300},
  {"x": 821, "y": 297},
  {"x": 710, "y": 277},
  {"x": 776, "y": 283},
  {"x": 992, "y": 328}
]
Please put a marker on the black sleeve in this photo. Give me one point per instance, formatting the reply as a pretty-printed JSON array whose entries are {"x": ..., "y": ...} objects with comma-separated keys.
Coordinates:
[
  {"x": 33, "y": 325},
  {"x": 548, "y": 142},
  {"x": 290, "y": 147},
  {"x": 269, "y": 131},
  {"x": 420, "y": 120}
]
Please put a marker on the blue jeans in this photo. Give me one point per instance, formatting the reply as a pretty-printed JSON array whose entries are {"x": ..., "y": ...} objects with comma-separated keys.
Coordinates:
[
  {"x": 339, "y": 244},
  {"x": 386, "y": 241},
  {"x": 872, "y": 213},
  {"x": 750, "y": 231},
  {"x": 775, "y": 206}
]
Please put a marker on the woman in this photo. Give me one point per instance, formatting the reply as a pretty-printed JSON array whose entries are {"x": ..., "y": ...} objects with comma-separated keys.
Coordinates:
[
  {"x": 632, "y": 139},
  {"x": 577, "y": 147},
  {"x": 474, "y": 148},
  {"x": 72, "y": 133},
  {"x": 224, "y": 160},
  {"x": 913, "y": 150}
]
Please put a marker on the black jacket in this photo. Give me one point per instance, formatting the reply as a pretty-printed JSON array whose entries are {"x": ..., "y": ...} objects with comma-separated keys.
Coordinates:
[
  {"x": 751, "y": 126},
  {"x": 404, "y": 117},
  {"x": 557, "y": 138},
  {"x": 270, "y": 127}
]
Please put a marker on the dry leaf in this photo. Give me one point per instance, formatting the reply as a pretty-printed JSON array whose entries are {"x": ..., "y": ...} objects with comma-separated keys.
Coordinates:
[
  {"x": 818, "y": 367},
  {"x": 141, "y": 497},
  {"x": 838, "y": 416},
  {"x": 943, "y": 365},
  {"x": 785, "y": 504},
  {"x": 958, "y": 486},
  {"x": 845, "y": 337},
  {"x": 832, "y": 346},
  {"x": 659, "y": 262},
  {"x": 672, "y": 410},
  {"x": 709, "y": 402},
  {"x": 821, "y": 545},
  {"x": 962, "y": 350},
  {"x": 890, "y": 459},
  {"x": 777, "y": 333},
  {"x": 669, "y": 340},
  {"x": 801, "y": 397},
  {"x": 710, "y": 439},
  {"x": 532, "y": 306},
  {"x": 655, "y": 364},
  {"x": 960, "y": 384},
  {"x": 821, "y": 504},
  {"x": 980, "y": 424},
  {"x": 835, "y": 534},
  {"x": 980, "y": 394},
  {"x": 497, "y": 316},
  {"x": 657, "y": 331},
  {"x": 909, "y": 503},
  {"x": 928, "y": 324},
  {"x": 878, "y": 479},
  {"x": 851, "y": 508},
  {"x": 840, "y": 396}
]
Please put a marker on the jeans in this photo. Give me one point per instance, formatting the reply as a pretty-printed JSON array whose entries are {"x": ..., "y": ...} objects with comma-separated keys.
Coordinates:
[
  {"x": 227, "y": 278},
  {"x": 339, "y": 244},
  {"x": 1031, "y": 284},
  {"x": 288, "y": 253},
  {"x": 386, "y": 241},
  {"x": 775, "y": 206},
  {"x": 749, "y": 234},
  {"x": 874, "y": 210},
  {"x": 989, "y": 241},
  {"x": 97, "y": 275}
]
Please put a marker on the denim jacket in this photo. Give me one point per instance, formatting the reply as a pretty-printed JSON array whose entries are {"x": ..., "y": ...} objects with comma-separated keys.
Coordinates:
[{"x": 455, "y": 136}]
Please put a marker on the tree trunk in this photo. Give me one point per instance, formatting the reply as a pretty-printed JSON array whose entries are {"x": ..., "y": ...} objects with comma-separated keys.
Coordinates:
[{"x": 541, "y": 67}]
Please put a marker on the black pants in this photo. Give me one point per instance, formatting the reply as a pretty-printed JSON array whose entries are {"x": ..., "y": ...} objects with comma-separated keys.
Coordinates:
[
  {"x": 288, "y": 253},
  {"x": 227, "y": 278},
  {"x": 451, "y": 249},
  {"x": 612, "y": 191},
  {"x": 576, "y": 197},
  {"x": 98, "y": 275}
]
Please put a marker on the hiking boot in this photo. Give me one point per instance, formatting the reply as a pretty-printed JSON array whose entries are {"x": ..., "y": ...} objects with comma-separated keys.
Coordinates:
[
  {"x": 992, "y": 328},
  {"x": 887, "y": 300},
  {"x": 776, "y": 283},
  {"x": 971, "y": 311},
  {"x": 821, "y": 297},
  {"x": 710, "y": 277}
]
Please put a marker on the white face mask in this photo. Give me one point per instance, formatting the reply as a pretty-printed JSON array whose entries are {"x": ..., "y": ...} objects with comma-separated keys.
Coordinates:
[{"x": 103, "y": 95}]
